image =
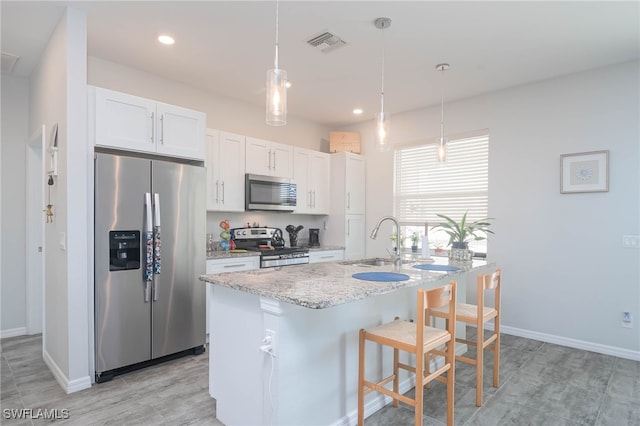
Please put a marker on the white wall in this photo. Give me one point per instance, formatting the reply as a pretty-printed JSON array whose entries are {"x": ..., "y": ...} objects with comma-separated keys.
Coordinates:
[
  {"x": 567, "y": 278},
  {"x": 58, "y": 95},
  {"x": 15, "y": 108}
]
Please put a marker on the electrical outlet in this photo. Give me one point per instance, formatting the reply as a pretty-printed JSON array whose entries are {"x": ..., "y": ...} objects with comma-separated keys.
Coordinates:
[
  {"x": 627, "y": 320},
  {"x": 269, "y": 342}
]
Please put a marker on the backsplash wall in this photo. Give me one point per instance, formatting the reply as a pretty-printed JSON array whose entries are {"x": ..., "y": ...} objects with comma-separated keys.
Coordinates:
[{"x": 270, "y": 219}]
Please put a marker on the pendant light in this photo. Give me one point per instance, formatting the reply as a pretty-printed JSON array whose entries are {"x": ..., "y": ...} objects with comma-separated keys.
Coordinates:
[
  {"x": 382, "y": 118},
  {"x": 442, "y": 144},
  {"x": 276, "y": 89}
]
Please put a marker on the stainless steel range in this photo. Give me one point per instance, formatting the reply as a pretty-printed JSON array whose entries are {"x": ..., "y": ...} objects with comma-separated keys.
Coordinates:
[{"x": 270, "y": 243}]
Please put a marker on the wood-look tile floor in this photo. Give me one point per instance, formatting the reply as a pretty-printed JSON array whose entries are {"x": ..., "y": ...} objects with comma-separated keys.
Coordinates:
[{"x": 541, "y": 384}]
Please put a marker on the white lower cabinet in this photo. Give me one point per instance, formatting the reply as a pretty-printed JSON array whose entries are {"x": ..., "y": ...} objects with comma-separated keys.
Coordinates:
[
  {"x": 355, "y": 237},
  {"x": 228, "y": 264},
  {"x": 325, "y": 256}
]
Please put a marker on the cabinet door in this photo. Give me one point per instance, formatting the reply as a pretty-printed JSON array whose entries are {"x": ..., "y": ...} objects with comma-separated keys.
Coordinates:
[
  {"x": 355, "y": 235},
  {"x": 355, "y": 184},
  {"x": 234, "y": 264},
  {"x": 258, "y": 156},
  {"x": 231, "y": 157},
  {"x": 319, "y": 169},
  {"x": 325, "y": 256},
  {"x": 300, "y": 177},
  {"x": 268, "y": 158},
  {"x": 282, "y": 158},
  {"x": 213, "y": 181},
  {"x": 180, "y": 132},
  {"x": 124, "y": 121}
]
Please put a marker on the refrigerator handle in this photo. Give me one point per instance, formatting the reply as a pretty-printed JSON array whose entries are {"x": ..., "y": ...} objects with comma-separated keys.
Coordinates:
[
  {"x": 157, "y": 247},
  {"x": 148, "y": 244},
  {"x": 157, "y": 255}
]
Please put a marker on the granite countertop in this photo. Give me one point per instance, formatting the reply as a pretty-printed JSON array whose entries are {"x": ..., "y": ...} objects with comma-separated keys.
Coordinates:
[{"x": 323, "y": 285}]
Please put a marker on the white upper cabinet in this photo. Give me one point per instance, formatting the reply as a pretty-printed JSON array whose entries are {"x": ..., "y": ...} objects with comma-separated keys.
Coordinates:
[
  {"x": 180, "y": 132},
  {"x": 132, "y": 123},
  {"x": 355, "y": 181},
  {"x": 268, "y": 158},
  {"x": 311, "y": 175},
  {"x": 225, "y": 171}
]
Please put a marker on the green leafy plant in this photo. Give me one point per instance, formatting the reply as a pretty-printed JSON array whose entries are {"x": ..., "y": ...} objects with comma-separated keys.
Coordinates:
[
  {"x": 460, "y": 233},
  {"x": 415, "y": 239},
  {"x": 394, "y": 239}
]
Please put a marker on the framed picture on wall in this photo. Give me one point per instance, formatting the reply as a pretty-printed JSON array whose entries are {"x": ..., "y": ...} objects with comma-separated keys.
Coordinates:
[{"x": 584, "y": 172}]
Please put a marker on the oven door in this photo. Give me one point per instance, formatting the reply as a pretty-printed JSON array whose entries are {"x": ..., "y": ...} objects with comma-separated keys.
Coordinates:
[{"x": 269, "y": 193}]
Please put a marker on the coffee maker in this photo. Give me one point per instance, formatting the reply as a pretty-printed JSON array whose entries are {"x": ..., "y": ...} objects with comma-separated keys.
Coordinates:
[{"x": 314, "y": 237}]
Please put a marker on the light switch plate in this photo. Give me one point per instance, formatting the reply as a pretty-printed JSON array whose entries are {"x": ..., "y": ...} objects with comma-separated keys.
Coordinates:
[
  {"x": 62, "y": 240},
  {"x": 631, "y": 241},
  {"x": 627, "y": 320}
]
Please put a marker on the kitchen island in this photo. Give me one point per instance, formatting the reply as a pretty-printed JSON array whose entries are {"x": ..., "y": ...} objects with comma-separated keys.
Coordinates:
[{"x": 313, "y": 313}]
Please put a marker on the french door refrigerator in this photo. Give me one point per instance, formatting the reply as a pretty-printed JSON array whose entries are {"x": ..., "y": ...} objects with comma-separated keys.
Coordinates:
[{"x": 150, "y": 227}]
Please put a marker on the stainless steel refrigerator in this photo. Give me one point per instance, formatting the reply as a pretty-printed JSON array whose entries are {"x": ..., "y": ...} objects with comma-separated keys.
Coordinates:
[{"x": 150, "y": 227}]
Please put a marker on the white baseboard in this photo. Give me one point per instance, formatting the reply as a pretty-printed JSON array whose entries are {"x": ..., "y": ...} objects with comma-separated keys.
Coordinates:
[
  {"x": 69, "y": 386},
  {"x": 13, "y": 332},
  {"x": 568, "y": 342}
]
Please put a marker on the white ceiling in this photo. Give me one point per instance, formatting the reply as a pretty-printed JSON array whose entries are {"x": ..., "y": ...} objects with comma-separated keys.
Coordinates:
[{"x": 226, "y": 46}]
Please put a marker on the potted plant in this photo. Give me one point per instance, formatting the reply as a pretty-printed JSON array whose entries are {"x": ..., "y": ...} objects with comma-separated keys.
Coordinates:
[
  {"x": 394, "y": 240},
  {"x": 462, "y": 232},
  {"x": 415, "y": 238}
]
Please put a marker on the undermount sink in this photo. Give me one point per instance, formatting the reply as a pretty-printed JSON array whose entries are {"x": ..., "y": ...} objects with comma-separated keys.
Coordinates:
[{"x": 376, "y": 261}]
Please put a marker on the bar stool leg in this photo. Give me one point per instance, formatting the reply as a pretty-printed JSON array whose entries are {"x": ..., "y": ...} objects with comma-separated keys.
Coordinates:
[
  {"x": 479, "y": 364},
  {"x": 361, "y": 379}
]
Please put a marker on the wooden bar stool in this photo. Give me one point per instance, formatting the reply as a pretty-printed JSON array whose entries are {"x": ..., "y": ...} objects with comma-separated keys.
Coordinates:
[
  {"x": 470, "y": 314},
  {"x": 417, "y": 339}
]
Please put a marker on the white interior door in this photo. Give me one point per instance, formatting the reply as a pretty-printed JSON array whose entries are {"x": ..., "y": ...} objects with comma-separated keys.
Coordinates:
[{"x": 35, "y": 230}]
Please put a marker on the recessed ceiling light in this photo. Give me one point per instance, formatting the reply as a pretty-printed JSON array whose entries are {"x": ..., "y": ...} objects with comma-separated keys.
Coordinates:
[
  {"x": 357, "y": 111},
  {"x": 165, "y": 39},
  {"x": 287, "y": 84}
]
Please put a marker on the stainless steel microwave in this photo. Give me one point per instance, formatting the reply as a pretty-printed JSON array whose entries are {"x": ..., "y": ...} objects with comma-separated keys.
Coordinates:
[{"x": 269, "y": 193}]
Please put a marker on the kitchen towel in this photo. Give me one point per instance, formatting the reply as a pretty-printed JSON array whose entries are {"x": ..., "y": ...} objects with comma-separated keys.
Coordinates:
[
  {"x": 380, "y": 276},
  {"x": 431, "y": 267}
]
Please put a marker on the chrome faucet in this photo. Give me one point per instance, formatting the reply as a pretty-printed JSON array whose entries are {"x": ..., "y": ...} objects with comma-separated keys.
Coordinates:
[{"x": 397, "y": 259}]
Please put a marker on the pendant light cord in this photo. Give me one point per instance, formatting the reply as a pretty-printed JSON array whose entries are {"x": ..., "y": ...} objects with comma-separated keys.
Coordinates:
[
  {"x": 277, "y": 34},
  {"x": 382, "y": 84},
  {"x": 442, "y": 107}
]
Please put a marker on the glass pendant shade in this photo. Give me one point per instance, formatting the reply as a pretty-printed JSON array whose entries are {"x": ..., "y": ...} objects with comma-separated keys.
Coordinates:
[
  {"x": 383, "y": 120},
  {"x": 442, "y": 150},
  {"x": 276, "y": 97},
  {"x": 442, "y": 144}
]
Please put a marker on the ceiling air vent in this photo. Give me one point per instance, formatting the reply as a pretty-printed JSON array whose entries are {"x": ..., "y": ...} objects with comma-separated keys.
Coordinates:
[
  {"x": 326, "y": 42},
  {"x": 8, "y": 62}
]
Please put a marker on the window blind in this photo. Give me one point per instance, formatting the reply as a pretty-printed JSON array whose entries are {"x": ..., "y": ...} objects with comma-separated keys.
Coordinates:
[{"x": 423, "y": 187}]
